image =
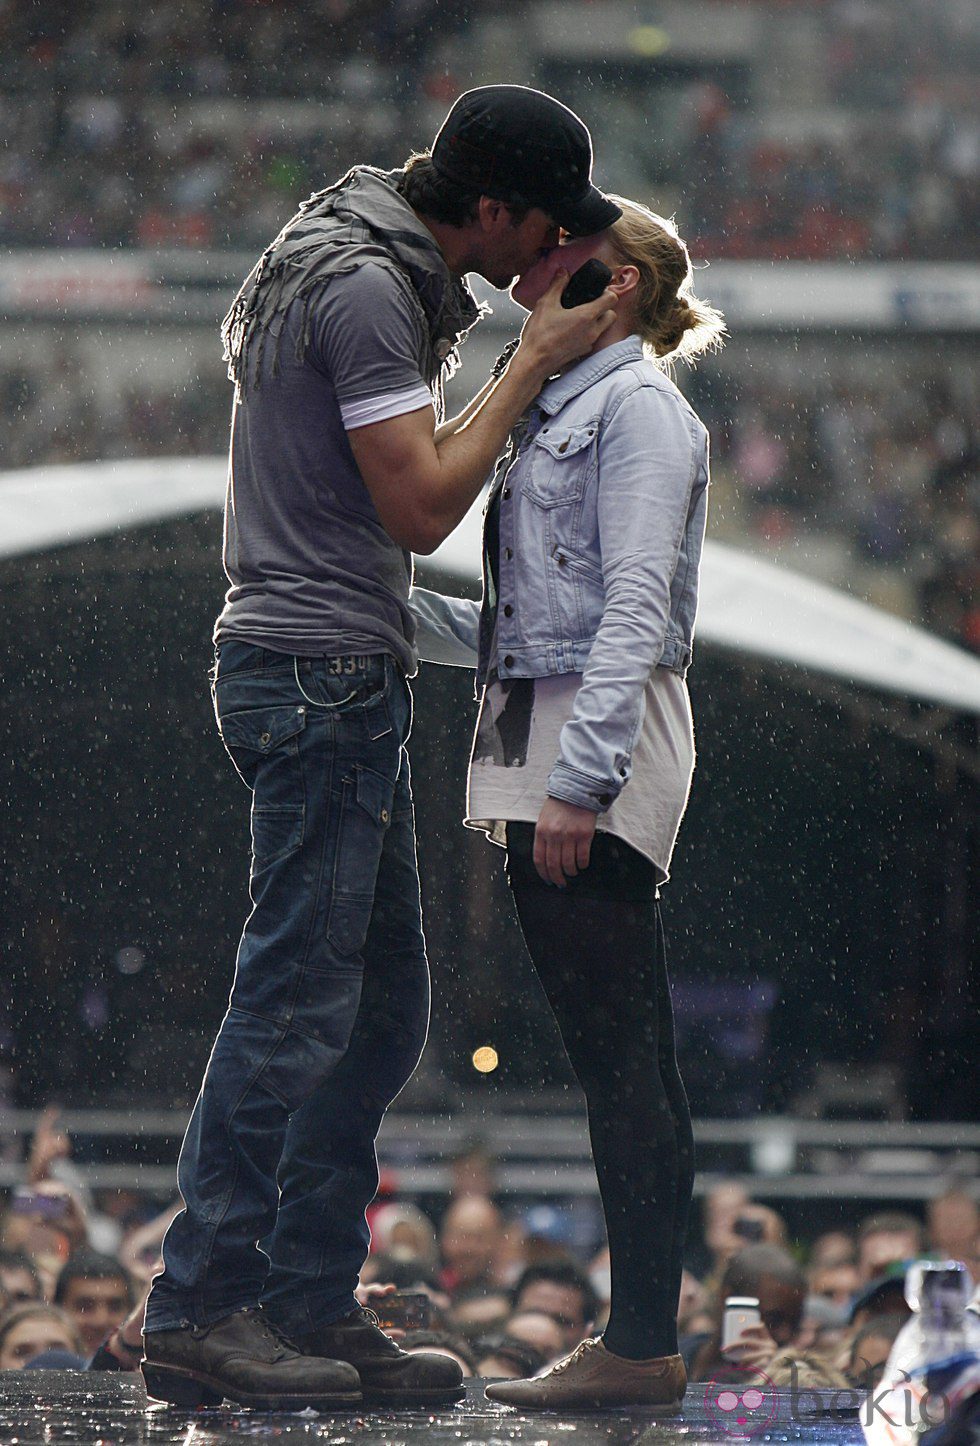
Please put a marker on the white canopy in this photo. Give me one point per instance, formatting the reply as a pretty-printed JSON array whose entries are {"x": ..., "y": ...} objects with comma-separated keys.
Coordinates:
[{"x": 747, "y": 604}]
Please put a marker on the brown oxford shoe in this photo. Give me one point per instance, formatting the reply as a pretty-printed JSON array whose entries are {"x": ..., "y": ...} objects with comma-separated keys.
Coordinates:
[{"x": 592, "y": 1377}]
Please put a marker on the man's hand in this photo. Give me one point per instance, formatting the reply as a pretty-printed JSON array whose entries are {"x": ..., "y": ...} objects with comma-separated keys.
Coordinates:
[
  {"x": 422, "y": 491},
  {"x": 553, "y": 336},
  {"x": 562, "y": 841}
]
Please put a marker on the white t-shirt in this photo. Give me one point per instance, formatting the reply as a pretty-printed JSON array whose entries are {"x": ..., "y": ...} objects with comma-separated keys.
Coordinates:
[{"x": 515, "y": 747}]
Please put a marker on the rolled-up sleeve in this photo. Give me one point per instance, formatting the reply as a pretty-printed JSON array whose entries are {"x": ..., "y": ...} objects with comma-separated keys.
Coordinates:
[{"x": 649, "y": 470}]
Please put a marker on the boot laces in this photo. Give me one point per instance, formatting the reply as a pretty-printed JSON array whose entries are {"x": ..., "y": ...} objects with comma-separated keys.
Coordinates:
[
  {"x": 274, "y": 1333},
  {"x": 582, "y": 1349}
]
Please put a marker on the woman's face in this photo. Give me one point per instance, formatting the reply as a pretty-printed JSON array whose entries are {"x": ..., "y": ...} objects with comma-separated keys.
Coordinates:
[
  {"x": 28, "y": 1338},
  {"x": 529, "y": 288}
]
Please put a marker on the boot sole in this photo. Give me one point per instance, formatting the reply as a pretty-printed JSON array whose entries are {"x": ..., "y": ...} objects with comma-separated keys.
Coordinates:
[
  {"x": 648, "y": 1409},
  {"x": 191, "y": 1389},
  {"x": 384, "y": 1397}
]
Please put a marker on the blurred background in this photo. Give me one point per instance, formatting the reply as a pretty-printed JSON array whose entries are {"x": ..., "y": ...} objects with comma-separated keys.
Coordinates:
[{"x": 821, "y": 157}]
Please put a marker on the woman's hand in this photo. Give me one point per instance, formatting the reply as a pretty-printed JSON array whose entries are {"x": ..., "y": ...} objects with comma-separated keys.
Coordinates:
[{"x": 562, "y": 841}]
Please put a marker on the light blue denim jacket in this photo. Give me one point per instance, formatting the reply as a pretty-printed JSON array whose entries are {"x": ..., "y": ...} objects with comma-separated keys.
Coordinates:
[{"x": 602, "y": 517}]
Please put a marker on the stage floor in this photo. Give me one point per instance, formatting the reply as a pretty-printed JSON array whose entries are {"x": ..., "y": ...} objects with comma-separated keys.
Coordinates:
[{"x": 48, "y": 1408}]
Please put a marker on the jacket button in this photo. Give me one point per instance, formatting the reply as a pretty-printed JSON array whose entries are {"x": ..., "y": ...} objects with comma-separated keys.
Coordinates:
[
  {"x": 508, "y": 553},
  {"x": 562, "y": 561},
  {"x": 508, "y": 661},
  {"x": 605, "y": 800},
  {"x": 506, "y": 492},
  {"x": 508, "y": 611}
]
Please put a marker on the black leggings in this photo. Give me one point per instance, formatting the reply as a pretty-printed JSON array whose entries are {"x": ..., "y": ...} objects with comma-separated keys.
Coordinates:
[{"x": 598, "y": 948}]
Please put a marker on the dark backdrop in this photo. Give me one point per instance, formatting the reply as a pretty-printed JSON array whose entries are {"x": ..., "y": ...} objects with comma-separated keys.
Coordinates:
[{"x": 810, "y": 916}]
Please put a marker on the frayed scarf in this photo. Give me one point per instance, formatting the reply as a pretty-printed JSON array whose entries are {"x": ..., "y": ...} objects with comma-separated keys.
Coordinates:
[{"x": 361, "y": 217}]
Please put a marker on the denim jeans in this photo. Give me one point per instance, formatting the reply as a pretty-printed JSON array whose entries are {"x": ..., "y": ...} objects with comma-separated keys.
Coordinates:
[{"x": 329, "y": 1009}]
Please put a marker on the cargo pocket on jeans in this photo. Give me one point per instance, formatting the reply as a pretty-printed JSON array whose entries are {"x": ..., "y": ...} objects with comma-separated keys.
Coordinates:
[
  {"x": 266, "y": 741},
  {"x": 364, "y": 819},
  {"x": 277, "y": 830}
]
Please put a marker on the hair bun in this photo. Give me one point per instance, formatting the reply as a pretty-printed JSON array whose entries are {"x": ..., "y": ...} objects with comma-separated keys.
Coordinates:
[
  {"x": 671, "y": 321},
  {"x": 679, "y": 319}
]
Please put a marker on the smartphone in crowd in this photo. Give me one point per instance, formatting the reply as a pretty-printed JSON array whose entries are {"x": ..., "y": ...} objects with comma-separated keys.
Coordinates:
[
  {"x": 51, "y": 1208},
  {"x": 403, "y": 1311},
  {"x": 586, "y": 284},
  {"x": 741, "y": 1311}
]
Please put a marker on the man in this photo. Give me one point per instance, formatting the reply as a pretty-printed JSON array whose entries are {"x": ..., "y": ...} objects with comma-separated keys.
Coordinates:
[
  {"x": 884, "y": 1239},
  {"x": 19, "y": 1280},
  {"x": 337, "y": 343},
  {"x": 560, "y": 1290},
  {"x": 95, "y": 1291},
  {"x": 836, "y": 1283},
  {"x": 953, "y": 1225},
  {"x": 470, "y": 1241}
]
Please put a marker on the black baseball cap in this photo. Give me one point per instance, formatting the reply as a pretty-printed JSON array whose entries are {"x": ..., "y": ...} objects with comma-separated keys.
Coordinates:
[{"x": 520, "y": 145}]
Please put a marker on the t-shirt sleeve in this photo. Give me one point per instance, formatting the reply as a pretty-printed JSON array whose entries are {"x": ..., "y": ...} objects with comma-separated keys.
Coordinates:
[{"x": 367, "y": 337}]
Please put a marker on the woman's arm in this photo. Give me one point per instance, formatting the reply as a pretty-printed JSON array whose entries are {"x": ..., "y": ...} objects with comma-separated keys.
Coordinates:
[
  {"x": 447, "y": 628},
  {"x": 650, "y": 479}
]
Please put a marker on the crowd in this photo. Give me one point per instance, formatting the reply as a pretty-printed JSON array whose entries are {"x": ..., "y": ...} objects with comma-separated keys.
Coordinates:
[
  {"x": 849, "y": 130},
  {"x": 52, "y": 416},
  {"x": 500, "y": 1289},
  {"x": 197, "y": 123},
  {"x": 888, "y": 468}
]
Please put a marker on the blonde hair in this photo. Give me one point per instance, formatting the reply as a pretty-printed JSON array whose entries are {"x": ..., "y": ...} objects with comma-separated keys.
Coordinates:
[
  {"x": 672, "y": 322},
  {"x": 805, "y": 1370}
]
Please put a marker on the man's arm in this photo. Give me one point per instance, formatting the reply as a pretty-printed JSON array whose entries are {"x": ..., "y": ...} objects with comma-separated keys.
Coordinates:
[
  {"x": 423, "y": 488},
  {"x": 454, "y": 424}
]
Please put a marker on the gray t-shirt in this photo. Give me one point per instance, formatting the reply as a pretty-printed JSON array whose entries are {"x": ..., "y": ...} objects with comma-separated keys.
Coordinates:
[{"x": 311, "y": 568}]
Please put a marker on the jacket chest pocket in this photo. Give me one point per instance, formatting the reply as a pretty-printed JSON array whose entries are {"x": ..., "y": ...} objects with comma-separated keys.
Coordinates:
[{"x": 562, "y": 460}]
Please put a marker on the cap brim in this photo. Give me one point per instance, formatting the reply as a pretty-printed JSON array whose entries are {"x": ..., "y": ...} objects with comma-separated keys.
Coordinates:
[{"x": 594, "y": 212}]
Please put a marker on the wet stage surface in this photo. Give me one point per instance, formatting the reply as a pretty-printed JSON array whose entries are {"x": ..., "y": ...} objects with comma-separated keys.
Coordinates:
[{"x": 47, "y": 1408}]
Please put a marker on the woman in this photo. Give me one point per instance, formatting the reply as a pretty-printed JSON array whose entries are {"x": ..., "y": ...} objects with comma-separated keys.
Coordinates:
[
  {"x": 30, "y": 1329},
  {"x": 584, "y": 751}
]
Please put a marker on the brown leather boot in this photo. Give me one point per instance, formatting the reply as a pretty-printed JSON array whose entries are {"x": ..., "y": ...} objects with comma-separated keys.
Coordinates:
[
  {"x": 246, "y": 1359},
  {"x": 592, "y": 1377},
  {"x": 389, "y": 1375}
]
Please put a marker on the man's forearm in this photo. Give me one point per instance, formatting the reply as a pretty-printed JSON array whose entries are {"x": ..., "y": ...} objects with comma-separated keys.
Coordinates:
[
  {"x": 455, "y": 424},
  {"x": 423, "y": 483},
  {"x": 467, "y": 456}
]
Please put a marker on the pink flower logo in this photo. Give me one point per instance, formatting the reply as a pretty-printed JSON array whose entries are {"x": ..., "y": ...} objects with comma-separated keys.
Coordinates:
[{"x": 740, "y": 1406}]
